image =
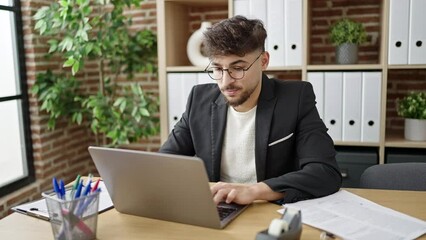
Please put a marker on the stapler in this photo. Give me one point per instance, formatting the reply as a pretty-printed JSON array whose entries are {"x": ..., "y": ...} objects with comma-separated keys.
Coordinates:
[{"x": 288, "y": 227}]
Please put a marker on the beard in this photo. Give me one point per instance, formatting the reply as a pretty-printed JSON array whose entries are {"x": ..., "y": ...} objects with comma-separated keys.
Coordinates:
[{"x": 242, "y": 98}]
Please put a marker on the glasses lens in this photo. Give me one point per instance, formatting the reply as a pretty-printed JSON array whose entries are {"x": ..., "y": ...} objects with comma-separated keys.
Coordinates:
[
  {"x": 236, "y": 73},
  {"x": 215, "y": 73}
]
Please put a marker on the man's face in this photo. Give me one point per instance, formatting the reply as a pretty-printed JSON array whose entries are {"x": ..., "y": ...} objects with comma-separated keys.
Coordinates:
[{"x": 242, "y": 94}]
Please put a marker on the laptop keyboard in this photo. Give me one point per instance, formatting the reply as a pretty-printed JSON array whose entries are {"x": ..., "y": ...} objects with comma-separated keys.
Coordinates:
[{"x": 225, "y": 211}]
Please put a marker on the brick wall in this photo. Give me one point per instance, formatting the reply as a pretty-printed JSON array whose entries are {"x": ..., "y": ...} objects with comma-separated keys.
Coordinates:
[
  {"x": 63, "y": 152},
  {"x": 211, "y": 14},
  {"x": 401, "y": 82},
  {"x": 324, "y": 13}
]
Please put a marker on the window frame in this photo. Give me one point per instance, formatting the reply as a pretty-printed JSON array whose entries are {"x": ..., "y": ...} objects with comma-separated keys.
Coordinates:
[{"x": 23, "y": 96}]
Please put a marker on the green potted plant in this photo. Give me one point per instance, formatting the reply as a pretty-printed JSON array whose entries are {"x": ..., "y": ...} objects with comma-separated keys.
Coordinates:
[
  {"x": 346, "y": 35},
  {"x": 413, "y": 108},
  {"x": 80, "y": 31}
]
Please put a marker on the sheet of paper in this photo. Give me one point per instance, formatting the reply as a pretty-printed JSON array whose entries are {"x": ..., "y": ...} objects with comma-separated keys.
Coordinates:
[
  {"x": 352, "y": 217},
  {"x": 39, "y": 208}
]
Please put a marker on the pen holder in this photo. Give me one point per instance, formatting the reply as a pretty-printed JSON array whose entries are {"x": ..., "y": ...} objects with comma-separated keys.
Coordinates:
[{"x": 73, "y": 219}]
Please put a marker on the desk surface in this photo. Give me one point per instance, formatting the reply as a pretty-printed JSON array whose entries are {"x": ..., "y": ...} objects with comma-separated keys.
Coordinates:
[{"x": 114, "y": 225}]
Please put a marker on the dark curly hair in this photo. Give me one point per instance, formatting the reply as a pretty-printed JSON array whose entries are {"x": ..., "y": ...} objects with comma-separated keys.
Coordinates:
[{"x": 235, "y": 36}]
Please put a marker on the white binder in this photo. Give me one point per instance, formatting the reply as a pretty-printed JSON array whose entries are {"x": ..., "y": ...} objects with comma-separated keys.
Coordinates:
[
  {"x": 275, "y": 29},
  {"x": 258, "y": 10},
  {"x": 333, "y": 104},
  {"x": 203, "y": 78},
  {"x": 371, "y": 98},
  {"x": 252, "y": 9},
  {"x": 417, "y": 37},
  {"x": 179, "y": 86},
  {"x": 293, "y": 32},
  {"x": 241, "y": 7},
  {"x": 398, "y": 31},
  {"x": 351, "y": 130},
  {"x": 317, "y": 81}
]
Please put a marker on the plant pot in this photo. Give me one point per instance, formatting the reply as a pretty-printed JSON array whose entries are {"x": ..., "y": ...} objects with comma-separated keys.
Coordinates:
[
  {"x": 415, "y": 129},
  {"x": 347, "y": 53}
]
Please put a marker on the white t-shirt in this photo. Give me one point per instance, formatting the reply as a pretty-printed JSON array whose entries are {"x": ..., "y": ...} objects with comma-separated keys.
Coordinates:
[{"x": 238, "y": 159}]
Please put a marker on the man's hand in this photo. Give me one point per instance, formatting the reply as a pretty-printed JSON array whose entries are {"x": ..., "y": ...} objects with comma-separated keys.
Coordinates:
[{"x": 243, "y": 193}]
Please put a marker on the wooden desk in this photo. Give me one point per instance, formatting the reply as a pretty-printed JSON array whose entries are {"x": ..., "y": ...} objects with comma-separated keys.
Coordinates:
[{"x": 114, "y": 225}]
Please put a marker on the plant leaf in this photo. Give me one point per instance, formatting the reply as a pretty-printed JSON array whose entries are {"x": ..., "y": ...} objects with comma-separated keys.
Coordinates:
[
  {"x": 69, "y": 62},
  {"x": 41, "y": 13},
  {"x": 75, "y": 67},
  {"x": 144, "y": 112},
  {"x": 123, "y": 106}
]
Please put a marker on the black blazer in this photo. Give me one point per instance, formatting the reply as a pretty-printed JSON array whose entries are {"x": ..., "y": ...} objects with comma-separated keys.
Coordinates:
[{"x": 294, "y": 153}]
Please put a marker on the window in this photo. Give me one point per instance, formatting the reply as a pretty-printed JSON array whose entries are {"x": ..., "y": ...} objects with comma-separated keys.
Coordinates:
[{"x": 16, "y": 162}]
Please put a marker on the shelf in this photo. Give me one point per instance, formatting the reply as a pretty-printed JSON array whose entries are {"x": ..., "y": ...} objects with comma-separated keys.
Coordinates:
[
  {"x": 177, "y": 28},
  {"x": 185, "y": 69},
  {"x": 397, "y": 140},
  {"x": 358, "y": 144},
  {"x": 201, "y": 69},
  {"x": 309, "y": 68},
  {"x": 179, "y": 18},
  {"x": 407, "y": 66},
  {"x": 344, "y": 67},
  {"x": 198, "y": 3},
  {"x": 287, "y": 68}
]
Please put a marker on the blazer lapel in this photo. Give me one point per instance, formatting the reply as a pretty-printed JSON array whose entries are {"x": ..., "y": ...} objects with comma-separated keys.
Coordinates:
[
  {"x": 218, "y": 123},
  {"x": 264, "y": 113}
]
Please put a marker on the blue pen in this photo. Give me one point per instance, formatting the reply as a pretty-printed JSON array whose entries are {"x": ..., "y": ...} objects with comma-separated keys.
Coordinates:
[
  {"x": 77, "y": 195},
  {"x": 62, "y": 185},
  {"x": 86, "y": 204},
  {"x": 80, "y": 209},
  {"x": 79, "y": 187},
  {"x": 88, "y": 187},
  {"x": 56, "y": 188}
]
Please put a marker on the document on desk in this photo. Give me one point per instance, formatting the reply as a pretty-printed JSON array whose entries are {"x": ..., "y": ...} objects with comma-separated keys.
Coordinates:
[
  {"x": 38, "y": 208},
  {"x": 349, "y": 216}
]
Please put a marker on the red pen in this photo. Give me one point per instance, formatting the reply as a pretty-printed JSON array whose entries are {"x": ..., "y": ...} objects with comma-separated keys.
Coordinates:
[
  {"x": 75, "y": 221},
  {"x": 96, "y": 185}
]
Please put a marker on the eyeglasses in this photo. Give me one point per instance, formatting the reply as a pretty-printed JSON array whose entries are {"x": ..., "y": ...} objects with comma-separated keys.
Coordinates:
[{"x": 237, "y": 73}]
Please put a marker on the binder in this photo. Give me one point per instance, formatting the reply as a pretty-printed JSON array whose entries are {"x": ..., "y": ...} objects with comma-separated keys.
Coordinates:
[
  {"x": 317, "y": 81},
  {"x": 241, "y": 7},
  {"x": 293, "y": 32},
  {"x": 371, "y": 101},
  {"x": 258, "y": 10},
  {"x": 173, "y": 94},
  {"x": 275, "y": 29},
  {"x": 203, "y": 78},
  {"x": 283, "y": 21},
  {"x": 333, "y": 104},
  {"x": 352, "y": 87},
  {"x": 417, "y": 37},
  {"x": 398, "y": 31},
  {"x": 179, "y": 86}
]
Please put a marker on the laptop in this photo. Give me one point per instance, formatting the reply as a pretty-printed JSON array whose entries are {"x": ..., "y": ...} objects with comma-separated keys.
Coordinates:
[{"x": 161, "y": 186}]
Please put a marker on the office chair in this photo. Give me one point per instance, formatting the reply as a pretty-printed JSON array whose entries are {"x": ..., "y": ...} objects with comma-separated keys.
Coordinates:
[{"x": 395, "y": 176}]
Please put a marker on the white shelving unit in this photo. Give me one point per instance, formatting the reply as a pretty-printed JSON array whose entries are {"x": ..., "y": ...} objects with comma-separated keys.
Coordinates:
[{"x": 173, "y": 33}]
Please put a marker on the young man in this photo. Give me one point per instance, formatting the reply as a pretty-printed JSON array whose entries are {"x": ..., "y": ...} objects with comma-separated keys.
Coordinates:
[{"x": 259, "y": 138}]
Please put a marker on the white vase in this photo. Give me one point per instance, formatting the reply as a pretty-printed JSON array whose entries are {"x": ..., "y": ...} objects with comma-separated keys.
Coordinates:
[
  {"x": 193, "y": 47},
  {"x": 415, "y": 129}
]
